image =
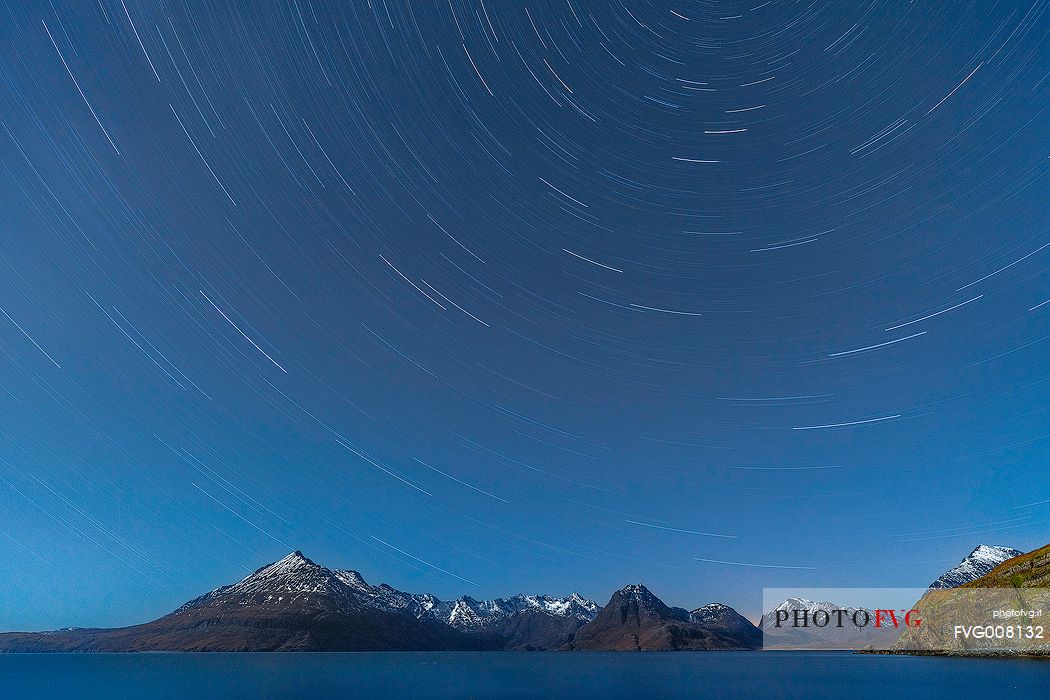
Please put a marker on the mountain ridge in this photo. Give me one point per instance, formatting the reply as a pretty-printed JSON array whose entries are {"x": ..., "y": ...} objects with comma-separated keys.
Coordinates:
[
  {"x": 296, "y": 604},
  {"x": 466, "y": 612}
]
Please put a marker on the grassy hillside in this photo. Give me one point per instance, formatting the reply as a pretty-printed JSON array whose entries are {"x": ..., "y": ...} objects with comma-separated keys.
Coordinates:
[{"x": 1017, "y": 583}]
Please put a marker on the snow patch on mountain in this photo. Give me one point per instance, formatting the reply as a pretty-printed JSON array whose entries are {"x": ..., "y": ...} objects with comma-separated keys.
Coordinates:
[
  {"x": 468, "y": 613},
  {"x": 712, "y": 612},
  {"x": 795, "y": 603},
  {"x": 976, "y": 564},
  {"x": 465, "y": 613}
]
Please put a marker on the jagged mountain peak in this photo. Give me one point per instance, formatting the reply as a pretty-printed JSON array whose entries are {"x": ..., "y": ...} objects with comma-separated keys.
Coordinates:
[
  {"x": 469, "y": 612},
  {"x": 795, "y": 603},
  {"x": 292, "y": 582},
  {"x": 636, "y": 601},
  {"x": 293, "y": 560},
  {"x": 295, "y": 567},
  {"x": 354, "y": 580},
  {"x": 974, "y": 565},
  {"x": 726, "y": 620},
  {"x": 634, "y": 588},
  {"x": 712, "y": 612}
]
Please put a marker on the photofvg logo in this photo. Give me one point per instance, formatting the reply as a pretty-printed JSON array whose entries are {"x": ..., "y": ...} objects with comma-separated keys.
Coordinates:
[
  {"x": 822, "y": 615},
  {"x": 838, "y": 618},
  {"x": 959, "y": 620}
]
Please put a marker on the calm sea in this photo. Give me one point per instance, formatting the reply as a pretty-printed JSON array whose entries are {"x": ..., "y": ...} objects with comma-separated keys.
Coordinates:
[{"x": 517, "y": 675}]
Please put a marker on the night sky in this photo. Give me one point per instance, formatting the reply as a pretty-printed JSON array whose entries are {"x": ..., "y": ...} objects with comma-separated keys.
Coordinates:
[{"x": 488, "y": 297}]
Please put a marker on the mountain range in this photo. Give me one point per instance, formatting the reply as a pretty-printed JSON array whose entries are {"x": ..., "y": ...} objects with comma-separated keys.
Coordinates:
[
  {"x": 295, "y": 604},
  {"x": 527, "y": 621}
]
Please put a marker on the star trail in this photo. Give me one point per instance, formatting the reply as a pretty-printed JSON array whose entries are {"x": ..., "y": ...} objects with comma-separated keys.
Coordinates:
[{"x": 484, "y": 296}]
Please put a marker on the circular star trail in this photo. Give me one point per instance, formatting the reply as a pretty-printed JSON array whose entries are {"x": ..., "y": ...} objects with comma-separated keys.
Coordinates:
[{"x": 531, "y": 295}]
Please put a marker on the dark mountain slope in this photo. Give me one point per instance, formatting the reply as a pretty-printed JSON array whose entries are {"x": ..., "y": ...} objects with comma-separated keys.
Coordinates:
[{"x": 636, "y": 620}]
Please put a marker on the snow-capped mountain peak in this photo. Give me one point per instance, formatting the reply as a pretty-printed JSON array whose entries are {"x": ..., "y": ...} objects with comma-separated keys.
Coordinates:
[
  {"x": 287, "y": 579},
  {"x": 295, "y": 561},
  {"x": 976, "y": 564},
  {"x": 464, "y": 615},
  {"x": 795, "y": 603},
  {"x": 354, "y": 580},
  {"x": 293, "y": 580},
  {"x": 711, "y": 612}
]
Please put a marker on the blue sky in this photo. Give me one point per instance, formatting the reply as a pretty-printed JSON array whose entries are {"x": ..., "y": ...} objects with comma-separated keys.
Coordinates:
[{"x": 480, "y": 298}]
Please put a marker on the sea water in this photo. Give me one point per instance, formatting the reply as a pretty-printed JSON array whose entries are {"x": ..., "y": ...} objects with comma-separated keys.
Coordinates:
[{"x": 577, "y": 675}]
